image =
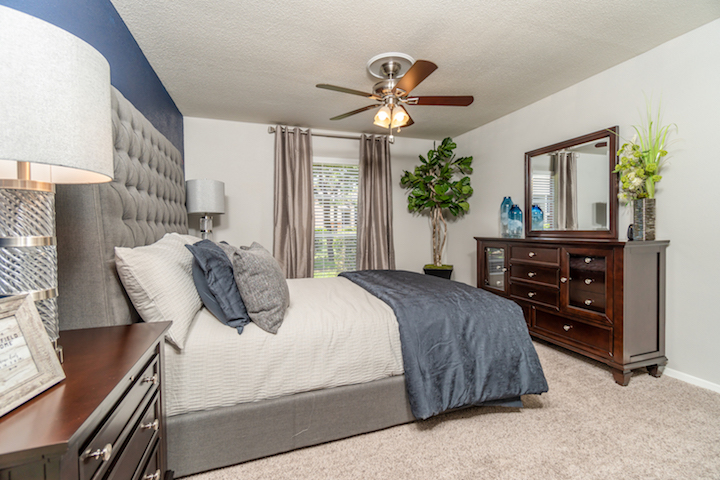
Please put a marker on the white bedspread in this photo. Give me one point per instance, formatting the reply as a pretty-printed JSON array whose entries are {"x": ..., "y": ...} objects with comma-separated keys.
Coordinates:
[{"x": 334, "y": 334}]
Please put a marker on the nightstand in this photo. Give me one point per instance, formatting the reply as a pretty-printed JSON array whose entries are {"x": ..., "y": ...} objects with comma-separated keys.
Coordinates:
[{"x": 105, "y": 420}]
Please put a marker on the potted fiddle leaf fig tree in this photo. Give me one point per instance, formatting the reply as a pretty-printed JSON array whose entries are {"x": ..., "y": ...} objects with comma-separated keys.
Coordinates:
[{"x": 438, "y": 186}]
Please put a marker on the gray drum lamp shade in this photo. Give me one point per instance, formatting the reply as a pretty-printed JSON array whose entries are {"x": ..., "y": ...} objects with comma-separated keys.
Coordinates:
[
  {"x": 55, "y": 109},
  {"x": 205, "y": 196},
  {"x": 55, "y": 127}
]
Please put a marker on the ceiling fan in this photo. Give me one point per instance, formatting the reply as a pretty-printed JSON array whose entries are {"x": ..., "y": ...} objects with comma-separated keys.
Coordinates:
[{"x": 400, "y": 74}]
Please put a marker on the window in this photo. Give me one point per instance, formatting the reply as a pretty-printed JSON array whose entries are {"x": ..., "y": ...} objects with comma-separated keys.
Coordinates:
[
  {"x": 335, "y": 188},
  {"x": 543, "y": 195}
]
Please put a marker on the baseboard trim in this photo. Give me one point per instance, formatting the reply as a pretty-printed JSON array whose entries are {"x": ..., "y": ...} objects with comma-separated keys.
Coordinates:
[{"x": 692, "y": 380}]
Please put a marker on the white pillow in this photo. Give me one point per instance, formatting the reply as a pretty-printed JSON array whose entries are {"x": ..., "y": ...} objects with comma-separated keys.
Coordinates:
[{"x": 158, "y": 279}]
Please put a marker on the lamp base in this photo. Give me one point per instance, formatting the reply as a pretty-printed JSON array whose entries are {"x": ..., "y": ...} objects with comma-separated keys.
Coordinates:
[
  {"x": 206, "y": 224},
  {"x": 28, "y": 252}
]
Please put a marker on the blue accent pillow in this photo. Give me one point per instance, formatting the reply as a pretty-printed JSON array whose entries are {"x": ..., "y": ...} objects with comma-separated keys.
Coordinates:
[{"x": 215, "y": 282}]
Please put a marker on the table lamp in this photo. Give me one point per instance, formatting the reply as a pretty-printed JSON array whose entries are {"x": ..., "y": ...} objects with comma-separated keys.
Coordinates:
[
  {"x": 55, "y": 127},
  {"x": 205, "y": 197}
]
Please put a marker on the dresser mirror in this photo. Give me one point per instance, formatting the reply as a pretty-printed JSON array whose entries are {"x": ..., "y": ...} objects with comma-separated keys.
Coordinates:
[{"x": 570, "y": 188}]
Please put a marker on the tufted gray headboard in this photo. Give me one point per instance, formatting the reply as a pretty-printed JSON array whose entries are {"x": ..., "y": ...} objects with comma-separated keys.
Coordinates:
[{"x": 145, "y": 200}]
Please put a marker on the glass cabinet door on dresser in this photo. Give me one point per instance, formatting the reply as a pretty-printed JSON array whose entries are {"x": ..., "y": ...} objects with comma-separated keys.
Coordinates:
[
  {"x": 601, "y": 298},
  {"x": 495, "y": 267}
]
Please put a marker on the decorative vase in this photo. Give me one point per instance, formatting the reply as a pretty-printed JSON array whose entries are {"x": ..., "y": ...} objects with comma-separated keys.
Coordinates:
[
  {"x": 537, "y": 217},
  {"x": 515, "y": 222},
  {"x": 644, "y": 219},
  {"x": 505, "y": 206}
]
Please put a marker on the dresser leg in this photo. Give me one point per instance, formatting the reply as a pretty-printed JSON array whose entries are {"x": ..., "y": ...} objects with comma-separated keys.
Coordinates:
[
  {"x": 655, "y": 370},
  {"x": 621, "y": 377}
]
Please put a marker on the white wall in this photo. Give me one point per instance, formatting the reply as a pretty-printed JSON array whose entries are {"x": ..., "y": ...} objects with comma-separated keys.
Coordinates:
[
  {"x": 241, "y": 155},
  {"x": 685, "y": 72}
]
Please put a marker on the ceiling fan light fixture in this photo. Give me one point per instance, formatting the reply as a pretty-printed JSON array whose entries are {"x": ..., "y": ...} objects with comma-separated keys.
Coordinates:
[{"x": 382, "y": 117}]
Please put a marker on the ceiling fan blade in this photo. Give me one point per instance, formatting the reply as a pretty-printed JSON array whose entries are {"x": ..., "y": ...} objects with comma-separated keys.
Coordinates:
[
  {"x": 453, "y": 101},
  {"x": 346, "y": 90},
  {"x": 420, "y": 70},
  {"x": 345, "y": 115}
]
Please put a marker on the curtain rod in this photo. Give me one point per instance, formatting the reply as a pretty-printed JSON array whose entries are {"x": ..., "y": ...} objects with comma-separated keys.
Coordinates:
[{"x": 271, "y": 129}]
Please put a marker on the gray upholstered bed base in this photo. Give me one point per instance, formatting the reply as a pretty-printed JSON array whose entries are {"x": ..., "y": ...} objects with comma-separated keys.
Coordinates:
[
  {"x": 145, "y": 200},
  {"x": 202, "y": 441}
]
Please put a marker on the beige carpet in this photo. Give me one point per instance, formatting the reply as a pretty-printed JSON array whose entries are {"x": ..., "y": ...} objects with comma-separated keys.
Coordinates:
[{"x": 585, "y": 427}]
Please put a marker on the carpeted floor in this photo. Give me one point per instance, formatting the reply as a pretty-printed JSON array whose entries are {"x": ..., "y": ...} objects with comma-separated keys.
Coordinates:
[{"x": 585, "y": 427}]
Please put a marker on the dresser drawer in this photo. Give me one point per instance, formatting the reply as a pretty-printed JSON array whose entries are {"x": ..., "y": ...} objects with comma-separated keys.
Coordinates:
[
  {"x": 534, "y": 294},
  {"x": 535, "y": 254},
  {"x": 106, "y": 444},
  {"x": 588, "y": 281},
  {"x": 596, "y": 263},
  {"x": 547, "y": 275},
  {"x": 588, "y": 298},
  {"x": 142, "y": 437},
  {"x": 152, "y": 470},
  {"x": 574, "y": 331}
]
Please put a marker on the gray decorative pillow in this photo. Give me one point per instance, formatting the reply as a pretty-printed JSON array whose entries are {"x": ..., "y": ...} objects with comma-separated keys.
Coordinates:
[{"x": 261, "y": 283}]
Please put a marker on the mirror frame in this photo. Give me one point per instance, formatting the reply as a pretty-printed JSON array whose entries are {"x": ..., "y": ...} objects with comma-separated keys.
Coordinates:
[{"x": 611, "y": 233}]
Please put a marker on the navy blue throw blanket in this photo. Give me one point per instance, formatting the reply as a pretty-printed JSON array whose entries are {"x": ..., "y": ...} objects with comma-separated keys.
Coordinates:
[{"x": 461, "y": 345}]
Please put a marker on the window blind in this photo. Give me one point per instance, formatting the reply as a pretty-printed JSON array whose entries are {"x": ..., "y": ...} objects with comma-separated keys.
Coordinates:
[
  {"x": 543, "y": 195},
  {"x": 335, "y": 188}
]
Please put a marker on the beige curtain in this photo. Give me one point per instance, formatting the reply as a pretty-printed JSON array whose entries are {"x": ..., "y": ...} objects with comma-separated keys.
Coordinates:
[
  {"x": 375, "y": 249},
  {"x": 294, "y": 224},
  {"x": 565, "y": 166}
]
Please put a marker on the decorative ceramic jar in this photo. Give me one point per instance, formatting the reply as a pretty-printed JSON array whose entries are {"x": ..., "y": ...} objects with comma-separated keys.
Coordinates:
[
  {"x": 515, "y": 222},
  {"x": 505, "y": 206}
]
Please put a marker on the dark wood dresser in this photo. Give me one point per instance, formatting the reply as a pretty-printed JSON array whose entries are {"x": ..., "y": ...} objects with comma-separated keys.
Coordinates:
[
  {"x": 104, "y": 421},
  {"x": 602, "y": 299}
]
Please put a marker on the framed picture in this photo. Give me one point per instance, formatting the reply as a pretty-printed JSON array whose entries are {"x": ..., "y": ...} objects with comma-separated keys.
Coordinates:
[{"x": 28, "y": 363}]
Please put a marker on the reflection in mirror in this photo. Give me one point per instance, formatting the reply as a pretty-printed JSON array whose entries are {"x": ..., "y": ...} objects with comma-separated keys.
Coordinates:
[{"x": 570, "y": 187}]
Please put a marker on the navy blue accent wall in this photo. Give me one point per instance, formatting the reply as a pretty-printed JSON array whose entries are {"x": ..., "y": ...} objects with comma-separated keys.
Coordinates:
[{"x": 98, "y": 23}]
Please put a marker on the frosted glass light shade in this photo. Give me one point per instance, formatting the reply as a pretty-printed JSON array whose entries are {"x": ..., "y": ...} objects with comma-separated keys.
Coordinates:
[
  {"x": 400, "y": 117},
  {"x": 205, "y": 196},
  {"x": 55, "y": 107},
  {"x": 382, "y": 118}
]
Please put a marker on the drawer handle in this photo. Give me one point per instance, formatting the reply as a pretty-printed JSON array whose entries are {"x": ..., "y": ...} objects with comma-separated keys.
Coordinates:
[
  {"x": 588, "y": 259},
  {"x": 531, "y": 294},
  {"x": 567, "y": 327},
  {"x": 563, "y": 279},
  {"x": 155, "y": 425},
  {"x": 531, "y": 254},
  {"x": 153, "y": 379},
  {"x": 102, "y": 455},
  {"x": 152, "y": 476},
  {"x": 531, "y": 274},
  {"x": 588, "y": 302},
  {"x": 588, "y": 281}
]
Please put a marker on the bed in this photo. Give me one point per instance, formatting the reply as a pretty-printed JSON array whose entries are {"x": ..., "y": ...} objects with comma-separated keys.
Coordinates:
[{"x": 213, "y": 421}]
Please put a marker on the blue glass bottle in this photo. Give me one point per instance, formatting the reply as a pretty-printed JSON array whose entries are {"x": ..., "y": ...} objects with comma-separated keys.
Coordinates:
[
  {"x": 505, "y": 206},
  {"x": 537, "y": 218},
  {"x": 515, "y": 222}
]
